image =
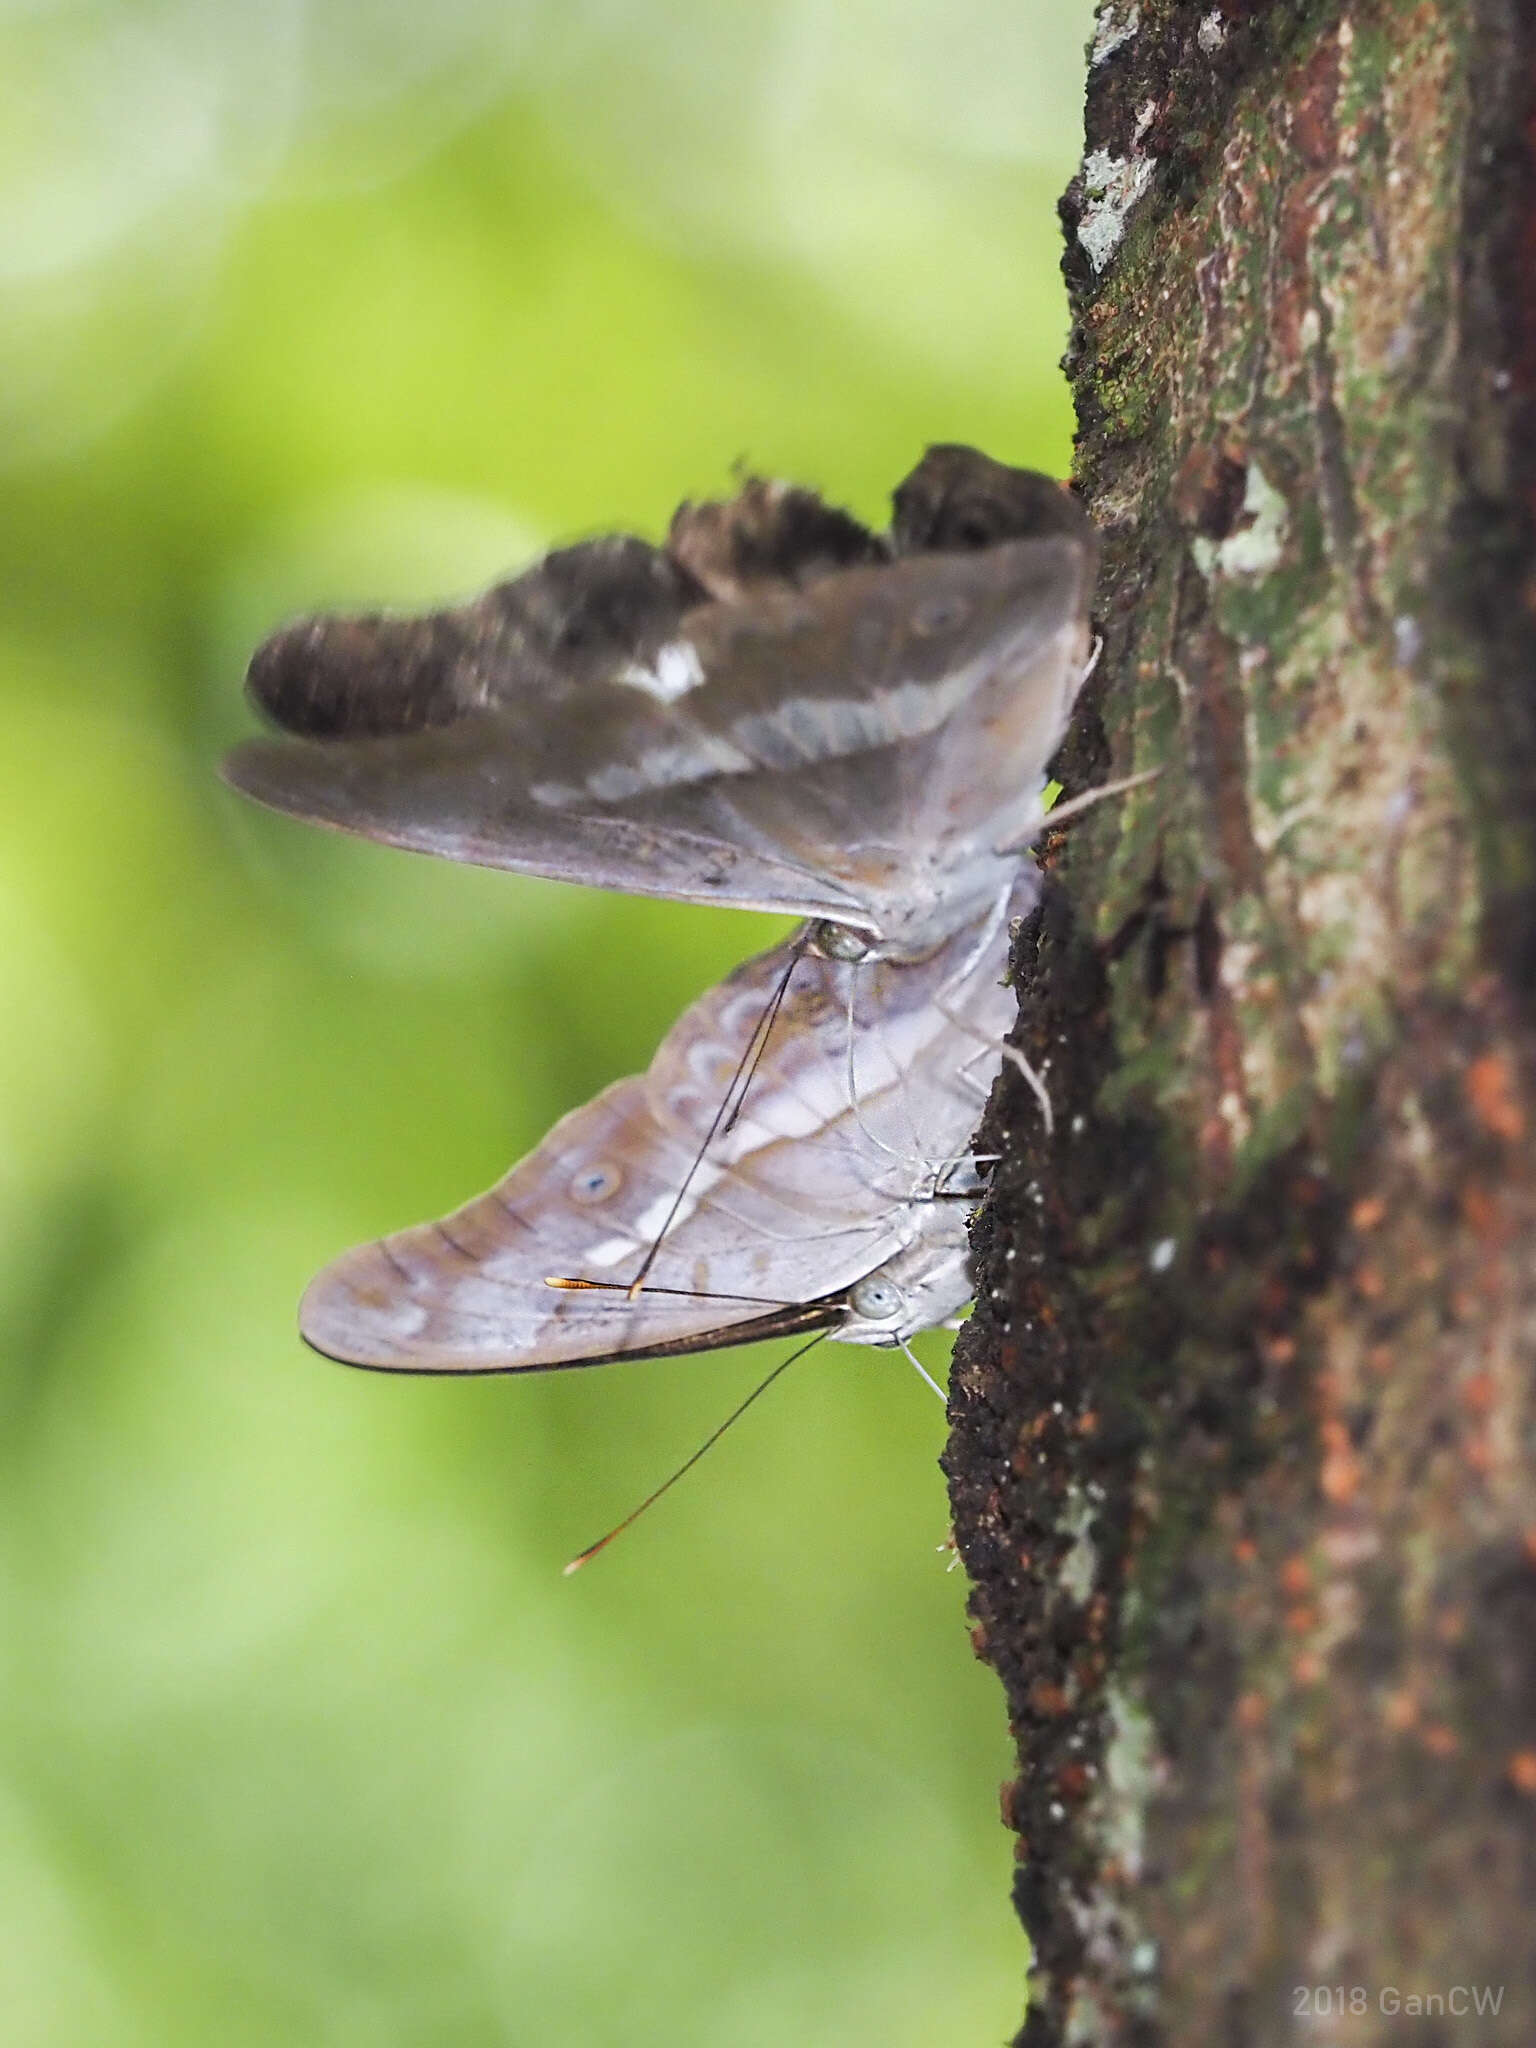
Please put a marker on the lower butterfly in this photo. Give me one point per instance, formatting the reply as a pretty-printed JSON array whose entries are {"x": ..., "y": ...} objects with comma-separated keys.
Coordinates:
[{"x": 833, "y": 1199}]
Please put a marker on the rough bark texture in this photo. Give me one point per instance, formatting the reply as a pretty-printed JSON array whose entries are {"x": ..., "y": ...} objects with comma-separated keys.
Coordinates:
[{"x": 1244, "y": 1440}]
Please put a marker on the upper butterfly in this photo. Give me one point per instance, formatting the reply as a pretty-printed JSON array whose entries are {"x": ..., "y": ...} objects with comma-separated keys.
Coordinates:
[{"x": 777, "y": 710}]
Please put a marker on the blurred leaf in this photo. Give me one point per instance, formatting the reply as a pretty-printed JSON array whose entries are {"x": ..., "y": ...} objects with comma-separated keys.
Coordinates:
[{"x": 302, "y": 1737}]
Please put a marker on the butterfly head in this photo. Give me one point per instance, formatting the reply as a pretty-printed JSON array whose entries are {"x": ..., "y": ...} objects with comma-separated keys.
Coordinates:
[{"x": 920, "y": 1288}]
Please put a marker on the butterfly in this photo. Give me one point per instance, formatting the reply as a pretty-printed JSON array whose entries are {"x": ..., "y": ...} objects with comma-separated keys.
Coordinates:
[
  {"x": 777, "y": 710},
  {"x": 835, "y": 1199}
]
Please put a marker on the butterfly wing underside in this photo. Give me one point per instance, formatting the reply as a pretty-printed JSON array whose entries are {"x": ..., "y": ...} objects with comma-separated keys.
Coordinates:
[
  {"x": 811, "y": 1189},
  {"x": 820, "y": 751}
]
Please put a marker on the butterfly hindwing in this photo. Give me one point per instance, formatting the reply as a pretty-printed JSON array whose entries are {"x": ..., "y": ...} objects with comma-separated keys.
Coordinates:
[{"x": 812, "y": 1188}]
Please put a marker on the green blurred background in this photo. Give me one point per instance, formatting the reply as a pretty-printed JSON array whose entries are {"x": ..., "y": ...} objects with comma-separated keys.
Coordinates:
[{"x": 303, "y": 1739}]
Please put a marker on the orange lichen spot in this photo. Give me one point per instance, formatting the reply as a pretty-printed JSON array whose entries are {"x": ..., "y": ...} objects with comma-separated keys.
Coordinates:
[
  {"x": 1451, "y": 1624},
  {"x": 1245, "y": 1550},
  {"x": 1521, "y": 1770},
  {"x": 1300, "y": 1620},
  {"x": 1379, "y": 1359},
  {"x": 1340, "y": 1479},
  {"x": 1400, "y": 1710},
  {"x": 1274, "y": 1296},
  {"x": 1088, "y": 1423},
  {"x": 1477, "y": 1206},
  {"x": 1047, "y": 1699},
  {"x": 1252, "y": 1710},
  {"x": 1440, "y": 1739},
  {"x": 1370, "y": 1284},
  {"x": 1215, "y": 1139},
  {"x": 1278, "y": 1350},
  {"x": 1295, "y": 1577},
  {"x": 1367, "y": 1212},
  {"x": 1478, "y": 1454},
  {"x": 1478, "y": 1392},
  {"x": 1340, "y": 1474},
  {"x": 1307, "y": 1669},
  {"x": 1491, "y": 1094},
  {"x": 1073, "y": 1781},
  {"x": 1528, "y": 1545}
]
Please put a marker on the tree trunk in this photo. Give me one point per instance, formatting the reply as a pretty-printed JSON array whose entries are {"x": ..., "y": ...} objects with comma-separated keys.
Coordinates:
[{"x": 1244, "y": 1444}]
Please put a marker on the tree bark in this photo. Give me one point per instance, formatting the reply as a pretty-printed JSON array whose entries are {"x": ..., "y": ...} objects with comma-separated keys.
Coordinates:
[{"x": 1243, "y": 1453}]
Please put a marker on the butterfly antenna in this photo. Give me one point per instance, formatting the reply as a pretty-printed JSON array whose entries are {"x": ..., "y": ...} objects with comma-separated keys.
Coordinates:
[
  {"x": 568, "y": 1284},
  {"x": 585, "y": 1556},
  {"x": 752, "y": 1058},
  {"x": 728, "y": 1111}
]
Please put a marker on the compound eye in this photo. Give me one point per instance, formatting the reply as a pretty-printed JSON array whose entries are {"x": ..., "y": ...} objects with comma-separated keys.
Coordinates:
[
  {"x": 876, "y": 1300},
  {"x": 595, "y": 1183},
  {"x": 840, "y": 941}
]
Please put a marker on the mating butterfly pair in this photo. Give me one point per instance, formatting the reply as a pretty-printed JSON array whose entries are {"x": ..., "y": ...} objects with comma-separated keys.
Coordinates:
[{"x": 777, "y": 710}]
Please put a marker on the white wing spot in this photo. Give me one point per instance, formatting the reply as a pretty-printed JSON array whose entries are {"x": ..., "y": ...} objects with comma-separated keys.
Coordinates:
[
  {"x": 677, "y": 670},
  {"x": 610, "y": 1251},
  {"x": 665, "y": 767}
]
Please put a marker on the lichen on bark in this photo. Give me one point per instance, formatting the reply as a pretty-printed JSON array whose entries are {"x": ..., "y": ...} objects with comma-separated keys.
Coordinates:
[{"x": 1244, "y": 1451}]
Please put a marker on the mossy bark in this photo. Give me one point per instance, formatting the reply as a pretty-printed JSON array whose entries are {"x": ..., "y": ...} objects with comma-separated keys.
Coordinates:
[{"x": 1244, "y": 1429}]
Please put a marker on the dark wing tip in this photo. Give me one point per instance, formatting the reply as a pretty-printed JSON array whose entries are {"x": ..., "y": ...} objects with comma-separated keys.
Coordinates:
[
  {"x": 344, "y": 678},
  {"x": 768, "y": 533},
  {"x": 958, "y": 499},
  {"x": 569, "y": 620}
]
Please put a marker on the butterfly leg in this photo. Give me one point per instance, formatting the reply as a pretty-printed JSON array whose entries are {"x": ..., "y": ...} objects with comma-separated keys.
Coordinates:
[
  {"x": 1016, "y": 1058},
  {"x": 921, "y": 1370},
  {"x": 1060, "y": 813},
  {"x": 980, "y": 1087}
]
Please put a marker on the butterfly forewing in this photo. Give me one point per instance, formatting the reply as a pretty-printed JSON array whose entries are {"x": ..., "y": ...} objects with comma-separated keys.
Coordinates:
[{"x": 857, "y": 746}]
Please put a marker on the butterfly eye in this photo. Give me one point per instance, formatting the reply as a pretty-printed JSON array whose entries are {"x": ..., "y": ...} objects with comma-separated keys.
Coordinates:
[
  {"x": 840, "y": 942},
  {"x": 596, "y": 1183},
  {"x": 877, "y": 1300}
]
